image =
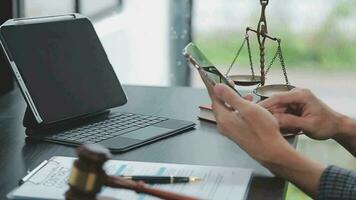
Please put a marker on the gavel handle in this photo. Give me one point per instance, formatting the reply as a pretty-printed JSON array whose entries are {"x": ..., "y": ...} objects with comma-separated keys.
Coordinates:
[{"x": 140, "y": 187}]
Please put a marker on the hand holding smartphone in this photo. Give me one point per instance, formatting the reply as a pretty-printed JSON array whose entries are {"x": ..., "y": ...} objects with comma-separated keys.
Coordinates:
[{"x": 208, "y": 72}]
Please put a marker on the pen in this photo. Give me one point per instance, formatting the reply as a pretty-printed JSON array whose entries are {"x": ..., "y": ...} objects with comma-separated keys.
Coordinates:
[
  {"x": 30, "y": 174},
  {"x": 163, "y": 179}
]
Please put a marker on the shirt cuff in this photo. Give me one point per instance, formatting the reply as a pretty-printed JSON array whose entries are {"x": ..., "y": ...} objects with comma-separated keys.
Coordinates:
[{"x": 337, "y": 183}]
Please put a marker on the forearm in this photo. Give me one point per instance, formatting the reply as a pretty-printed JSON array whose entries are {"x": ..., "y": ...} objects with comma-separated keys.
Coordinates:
[
  {"x": 347, "y": 134},
  {"x": 298, "y": 169}
]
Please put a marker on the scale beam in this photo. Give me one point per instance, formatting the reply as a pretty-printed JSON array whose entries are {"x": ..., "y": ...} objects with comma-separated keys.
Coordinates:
[{"x": 266, "y": 35}]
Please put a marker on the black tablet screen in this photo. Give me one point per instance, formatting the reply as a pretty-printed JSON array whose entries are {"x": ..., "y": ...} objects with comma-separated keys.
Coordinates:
[{"x": 64, "y": 67}]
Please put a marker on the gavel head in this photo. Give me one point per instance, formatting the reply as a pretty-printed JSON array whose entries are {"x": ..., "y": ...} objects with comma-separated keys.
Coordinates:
[{"x": 87, "y": 176}]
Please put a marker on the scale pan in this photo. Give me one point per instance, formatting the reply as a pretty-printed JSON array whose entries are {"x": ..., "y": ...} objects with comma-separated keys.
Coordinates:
[
  {"x": 245, "y": 80},
  {"x": 270, "y": 90}
]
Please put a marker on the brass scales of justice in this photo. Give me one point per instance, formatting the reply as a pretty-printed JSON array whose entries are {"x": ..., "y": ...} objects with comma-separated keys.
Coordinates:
[{"x": 262, "y": 90}]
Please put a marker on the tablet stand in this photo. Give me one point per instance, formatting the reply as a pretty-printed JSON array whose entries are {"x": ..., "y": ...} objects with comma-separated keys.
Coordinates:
[
  {"x": 29, "y": 120},
  {"x": 32, "y": 126}
]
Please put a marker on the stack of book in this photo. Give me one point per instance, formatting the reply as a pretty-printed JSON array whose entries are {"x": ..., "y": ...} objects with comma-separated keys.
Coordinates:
[{"x": 206, "y": 113}]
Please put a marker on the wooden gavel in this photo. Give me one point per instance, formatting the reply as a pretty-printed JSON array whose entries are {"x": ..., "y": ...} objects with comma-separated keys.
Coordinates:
[{"x": 88, "y": 177}]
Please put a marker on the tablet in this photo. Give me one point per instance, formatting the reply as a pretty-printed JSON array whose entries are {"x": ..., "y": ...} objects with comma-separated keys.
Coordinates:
[{"x": 61, "y": 67}]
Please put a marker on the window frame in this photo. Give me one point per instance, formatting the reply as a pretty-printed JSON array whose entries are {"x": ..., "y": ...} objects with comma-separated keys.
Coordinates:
[{"x": 19, "y": 9}]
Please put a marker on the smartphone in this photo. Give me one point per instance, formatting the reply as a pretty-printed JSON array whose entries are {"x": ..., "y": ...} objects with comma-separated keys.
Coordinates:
[{"x": 205, "y": 67}]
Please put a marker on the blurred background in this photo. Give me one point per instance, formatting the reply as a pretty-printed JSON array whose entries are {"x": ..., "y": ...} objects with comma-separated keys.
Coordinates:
[{"x": 144, "y": 41}]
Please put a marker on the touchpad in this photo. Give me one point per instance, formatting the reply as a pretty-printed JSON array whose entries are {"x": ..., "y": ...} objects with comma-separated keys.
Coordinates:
[{"x": 146, "y": 133}]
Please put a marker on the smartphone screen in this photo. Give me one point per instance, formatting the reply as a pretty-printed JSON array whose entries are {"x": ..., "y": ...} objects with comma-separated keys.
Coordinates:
[{"x": 200, "y": 61}]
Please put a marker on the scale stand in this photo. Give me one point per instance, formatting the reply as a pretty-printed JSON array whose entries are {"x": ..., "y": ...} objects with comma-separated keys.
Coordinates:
[{"x": 262, "y": 90}]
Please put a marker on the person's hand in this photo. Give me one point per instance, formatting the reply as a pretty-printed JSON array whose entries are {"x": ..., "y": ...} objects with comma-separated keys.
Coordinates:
[
  {"x": 299, "y": 109},
  {"x": 249, "y": 125},
  {"x": 209, "y": 85},
  {"x": 256, "y": 131}
]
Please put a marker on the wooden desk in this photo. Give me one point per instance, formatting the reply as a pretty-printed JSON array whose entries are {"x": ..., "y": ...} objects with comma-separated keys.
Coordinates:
[{"x": 202, "y": 146}]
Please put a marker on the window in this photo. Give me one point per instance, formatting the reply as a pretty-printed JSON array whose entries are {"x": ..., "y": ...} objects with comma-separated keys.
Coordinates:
[
  {"x": 91, "y": 8},
  {"x": 99, "y": 9}
]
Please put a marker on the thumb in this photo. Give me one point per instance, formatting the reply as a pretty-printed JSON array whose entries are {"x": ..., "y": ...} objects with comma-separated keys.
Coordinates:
[
  {"x": 248, "y": 97},
  {"x": 231, "y": 82},
  {"x": 288, "y": 121},
  {"x": 229, "y": 96}
]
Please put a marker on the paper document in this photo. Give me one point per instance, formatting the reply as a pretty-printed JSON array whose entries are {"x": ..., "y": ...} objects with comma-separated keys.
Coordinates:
[{"x": 50, "y": 182}]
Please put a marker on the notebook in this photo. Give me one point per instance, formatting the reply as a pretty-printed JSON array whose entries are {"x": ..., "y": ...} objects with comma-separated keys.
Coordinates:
[{"x": 50, "y": 182}]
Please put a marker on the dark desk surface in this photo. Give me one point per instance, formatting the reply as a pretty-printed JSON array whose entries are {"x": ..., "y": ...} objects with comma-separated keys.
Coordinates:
[{"x": 202, "y": 146}]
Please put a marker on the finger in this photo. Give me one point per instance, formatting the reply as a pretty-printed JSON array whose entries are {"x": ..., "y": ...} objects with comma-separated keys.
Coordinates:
[
  {"x": 278, "y": 110},
  {"x": 229, "y": 96},
  {"x": 288, "y": 121},
  {"x": 231, "y": 82},
  {"x": 290, "y": 131},
  {"x": 220, "y": 110},
  {"x": 278, "y": 106},
  {"x": 227, "y": 121},
  {"x": 293, "y": 96},
  {"x": 248, "y": 97},
  {"x": 209, "y": 86}
]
